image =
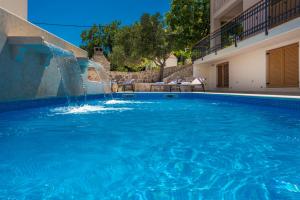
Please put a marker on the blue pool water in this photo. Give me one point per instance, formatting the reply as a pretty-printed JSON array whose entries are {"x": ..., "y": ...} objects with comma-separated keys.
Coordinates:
[{"x": 151, "y": 149}]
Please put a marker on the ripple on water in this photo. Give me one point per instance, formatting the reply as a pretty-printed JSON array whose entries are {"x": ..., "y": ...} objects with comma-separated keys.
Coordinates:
[{"x": 179, "y": 149}]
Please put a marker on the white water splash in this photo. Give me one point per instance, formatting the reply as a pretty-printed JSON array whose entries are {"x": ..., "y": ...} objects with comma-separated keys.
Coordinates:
[
  {"x": 114, "y": 101},
  {"x": 85, "y": 109}
]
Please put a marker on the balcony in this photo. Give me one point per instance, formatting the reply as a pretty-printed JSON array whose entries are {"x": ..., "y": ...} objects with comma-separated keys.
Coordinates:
[{"x": 259, "y": 18}]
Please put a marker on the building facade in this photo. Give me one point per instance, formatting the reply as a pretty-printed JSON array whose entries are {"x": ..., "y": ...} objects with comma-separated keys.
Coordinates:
[
  {"x": 253, "y": 46},
  {"x": 18, "y": 7}
]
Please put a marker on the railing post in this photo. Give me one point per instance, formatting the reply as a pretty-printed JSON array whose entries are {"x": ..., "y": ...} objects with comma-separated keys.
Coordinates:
[
  {"x": 266, "y": 4},
  {"x": 235, "y": 34},
  {"x": 235, "y": 40}
]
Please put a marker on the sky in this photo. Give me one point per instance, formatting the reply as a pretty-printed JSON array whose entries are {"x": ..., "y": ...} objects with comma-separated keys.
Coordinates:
[{"x": 89, "y": 12}]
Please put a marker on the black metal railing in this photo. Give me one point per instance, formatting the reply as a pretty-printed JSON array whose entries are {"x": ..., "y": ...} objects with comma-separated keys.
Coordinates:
[{"x": 261, "y": 17}]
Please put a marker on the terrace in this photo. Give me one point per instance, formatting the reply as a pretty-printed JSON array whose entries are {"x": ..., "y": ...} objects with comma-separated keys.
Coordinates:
[{"x": 261, "y": 17}]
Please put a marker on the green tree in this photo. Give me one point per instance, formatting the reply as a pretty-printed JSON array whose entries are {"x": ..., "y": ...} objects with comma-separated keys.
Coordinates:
[
  {"x": 147, "y": 40},
  {"x": 124, "y": 54},
  {"x": 189, "y": 21},
  {"x": 155, "y": 43},
  {"x": 99, "y": 36}
]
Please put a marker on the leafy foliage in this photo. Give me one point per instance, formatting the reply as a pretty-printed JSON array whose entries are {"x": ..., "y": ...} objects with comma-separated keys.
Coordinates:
[
  {"x": 146, "y": 40},
  {"x": 183, "y": 56},
  {"x": 125, "y": 49},
  {"x": 99, "y": 36},
  {"x": 155, "y": 44},
  {"x": 152, "y": 39},
  {"x": 189, "y": 21}
]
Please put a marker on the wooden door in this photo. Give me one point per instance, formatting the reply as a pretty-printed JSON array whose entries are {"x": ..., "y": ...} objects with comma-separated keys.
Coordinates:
[
  {"x": 276, "y": 70},
  {"x": 219, "y": 75},
  {"x": 283, "y": 66},
  {"x": 223, "y": 75}
]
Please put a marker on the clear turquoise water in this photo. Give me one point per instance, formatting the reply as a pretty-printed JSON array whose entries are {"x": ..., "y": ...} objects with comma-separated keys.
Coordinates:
[{"x": 151, "y": 149}]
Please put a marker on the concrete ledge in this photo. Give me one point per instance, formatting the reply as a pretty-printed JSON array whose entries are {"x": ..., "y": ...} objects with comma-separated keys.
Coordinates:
[
  {"x": 30, "y": 40},
  {"x": 12, "y": 25}
]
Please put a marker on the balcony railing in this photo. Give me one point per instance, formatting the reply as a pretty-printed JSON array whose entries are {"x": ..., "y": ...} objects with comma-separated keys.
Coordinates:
[{"x": 259, "y": 18}]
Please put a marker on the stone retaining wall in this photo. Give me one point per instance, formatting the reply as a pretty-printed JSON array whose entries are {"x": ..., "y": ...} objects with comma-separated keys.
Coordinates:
[
  {"x": 170, "y": 70},
  {"x": 140, "y": 77},
  {"x": 186, "y": 73},
  {"x": 145, "y": 87},
  {"x": 152, "y": 76}
]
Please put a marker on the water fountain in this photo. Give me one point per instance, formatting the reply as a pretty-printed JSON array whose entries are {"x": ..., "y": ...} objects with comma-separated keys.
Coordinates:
[
  {"x": 69, "y": 71},
  {"x": 58, "y": 71},
  {"x": 102, "y": 84}
]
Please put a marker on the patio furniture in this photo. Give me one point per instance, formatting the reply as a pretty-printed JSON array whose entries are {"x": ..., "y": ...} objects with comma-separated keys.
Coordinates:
[
  {"x": 127, "y": 84},
  {"x": 195, "y": 83},
  {"x": 171, "y": 85},
  {"x": 175, "y": 84}
]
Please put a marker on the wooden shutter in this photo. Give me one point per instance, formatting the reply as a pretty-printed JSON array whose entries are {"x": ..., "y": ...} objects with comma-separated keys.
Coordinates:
[
  {"x": 283, "y": 66},
  {"x": 275, "y": 59},
  {"x": 291, "y": 65}
]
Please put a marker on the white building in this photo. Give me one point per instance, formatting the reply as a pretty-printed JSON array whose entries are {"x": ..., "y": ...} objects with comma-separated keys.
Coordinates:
[
  {"x": 253, "y": 46},
  {"x": 18, "y": 7}
]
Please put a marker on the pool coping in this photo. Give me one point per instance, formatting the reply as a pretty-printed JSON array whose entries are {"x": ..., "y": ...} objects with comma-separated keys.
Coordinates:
[
  {"x": 281, "y": 96},
  {"x": 279, "y": 101}
]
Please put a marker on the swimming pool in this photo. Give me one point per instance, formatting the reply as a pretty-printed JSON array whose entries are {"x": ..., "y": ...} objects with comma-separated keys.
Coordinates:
[{"x": 153, "y": 147}]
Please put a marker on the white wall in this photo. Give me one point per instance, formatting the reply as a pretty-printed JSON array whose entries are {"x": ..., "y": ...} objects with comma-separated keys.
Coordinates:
[
  {"x": 247, "y": 72},
  {"x": 18, "y": 7}
]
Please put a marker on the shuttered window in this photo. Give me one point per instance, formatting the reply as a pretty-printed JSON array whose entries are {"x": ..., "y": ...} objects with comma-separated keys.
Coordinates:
[
  {"x": 223, "y": 75},
  {"x": 283, "y": 66}
]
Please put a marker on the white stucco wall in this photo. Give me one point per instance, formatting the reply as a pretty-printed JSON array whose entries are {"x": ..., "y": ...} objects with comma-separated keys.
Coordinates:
[
  {"x": 247, "y": 71},
  {"x": 18, "y": 7}
]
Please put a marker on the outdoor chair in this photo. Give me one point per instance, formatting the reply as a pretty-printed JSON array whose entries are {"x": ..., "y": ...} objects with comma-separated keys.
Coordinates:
[
  {"x": 195, "y": 83},
  {"x": 170, "y": 85},
  {"x": 127, "y": 84}
]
